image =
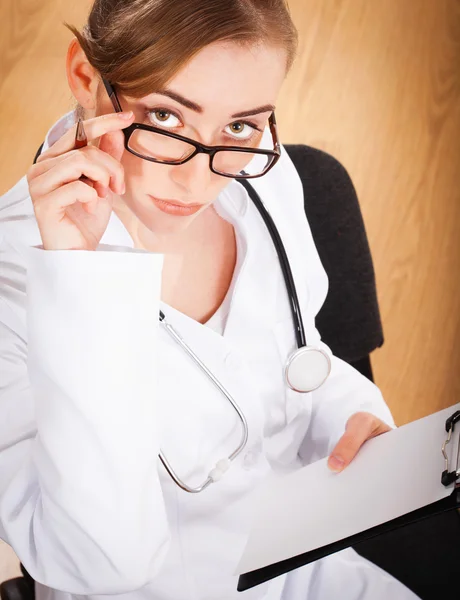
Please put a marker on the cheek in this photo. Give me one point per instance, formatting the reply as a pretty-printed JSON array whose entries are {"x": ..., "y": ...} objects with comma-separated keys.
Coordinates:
[
  {"x": 143, "y": 177},
  {"x": 139, "y": 171}
]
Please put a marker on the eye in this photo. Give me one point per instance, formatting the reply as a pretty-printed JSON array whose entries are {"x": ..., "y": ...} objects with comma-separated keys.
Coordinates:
[
  {"x": 242, "y": 130},
  {"x": 163, "y": 118}
]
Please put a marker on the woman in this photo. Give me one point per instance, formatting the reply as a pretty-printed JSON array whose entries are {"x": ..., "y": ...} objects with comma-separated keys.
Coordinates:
[{"x": 93, "y": 387}]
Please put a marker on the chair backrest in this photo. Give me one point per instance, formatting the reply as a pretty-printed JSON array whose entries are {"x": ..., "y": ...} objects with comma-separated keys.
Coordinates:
[{"x": 349, "y": 321}]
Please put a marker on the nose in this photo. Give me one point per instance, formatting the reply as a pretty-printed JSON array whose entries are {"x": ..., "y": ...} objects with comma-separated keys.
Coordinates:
[{"x": 194, "y": 176}]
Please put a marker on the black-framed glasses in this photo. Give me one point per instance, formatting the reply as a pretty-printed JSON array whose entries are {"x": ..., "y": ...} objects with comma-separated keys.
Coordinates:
[{"x": 157, "y": 145}]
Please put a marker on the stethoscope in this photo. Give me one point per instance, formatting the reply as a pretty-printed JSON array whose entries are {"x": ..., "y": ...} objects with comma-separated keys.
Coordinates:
[{"x": 307, "y": 368}]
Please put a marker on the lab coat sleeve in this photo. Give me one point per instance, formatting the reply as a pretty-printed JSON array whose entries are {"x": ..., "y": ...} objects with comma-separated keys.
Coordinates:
[
  {"x": 345, "y": 392},
  {"x": 80, "y": 501}
]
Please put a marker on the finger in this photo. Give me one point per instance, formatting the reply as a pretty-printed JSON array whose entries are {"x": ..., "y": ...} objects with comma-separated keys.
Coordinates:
[
  {"x": 94, "y": 129},
  {"x": 92, "y": 163},
  {"x": 70, "y": 170},
  {"x": 42, "y": 167},
  {"x": 46, "y": 166},
  {"x": 360, "y": 427},
  {"x": 36, "y": 170},
  {"x": 113, "y": 144},
  {"x": 94, "y": 155},
  {"x": 65, "y": 196}
]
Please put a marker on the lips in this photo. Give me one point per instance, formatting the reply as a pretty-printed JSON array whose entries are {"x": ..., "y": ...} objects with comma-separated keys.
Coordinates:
[
  {"x": 174, "y": 207},
  {"x": 176, "y": 202}
]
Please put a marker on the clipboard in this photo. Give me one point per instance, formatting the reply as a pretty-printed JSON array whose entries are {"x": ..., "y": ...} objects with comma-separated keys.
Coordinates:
[{"x": 449, "y": 478}]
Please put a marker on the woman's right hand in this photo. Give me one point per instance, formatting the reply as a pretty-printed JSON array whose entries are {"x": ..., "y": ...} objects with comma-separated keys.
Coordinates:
[{"x": 74, "y": 214}]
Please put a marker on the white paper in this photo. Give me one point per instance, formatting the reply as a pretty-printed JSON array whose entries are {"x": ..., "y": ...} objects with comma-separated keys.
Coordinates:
[{"x": 393, "y": 474}]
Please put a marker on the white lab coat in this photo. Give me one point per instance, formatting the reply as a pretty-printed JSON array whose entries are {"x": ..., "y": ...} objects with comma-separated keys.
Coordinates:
[{"x": 91, "y": 388}]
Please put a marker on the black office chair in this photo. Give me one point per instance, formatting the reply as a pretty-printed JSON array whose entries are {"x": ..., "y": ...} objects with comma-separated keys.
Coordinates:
[{"x": 349, "y": 323}]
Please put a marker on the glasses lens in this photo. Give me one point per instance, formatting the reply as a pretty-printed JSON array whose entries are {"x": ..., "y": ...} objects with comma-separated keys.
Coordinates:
[
  {"x": 236, "y": 163},
  {"x": 157, "y": 146}
]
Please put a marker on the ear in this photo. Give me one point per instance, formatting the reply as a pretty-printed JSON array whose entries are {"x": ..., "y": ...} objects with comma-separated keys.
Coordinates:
[{"x": 82, "y": 77}]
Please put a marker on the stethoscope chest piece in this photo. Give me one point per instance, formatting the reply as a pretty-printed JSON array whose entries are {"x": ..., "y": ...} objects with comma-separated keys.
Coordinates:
[{"x": 307, "y": 369}]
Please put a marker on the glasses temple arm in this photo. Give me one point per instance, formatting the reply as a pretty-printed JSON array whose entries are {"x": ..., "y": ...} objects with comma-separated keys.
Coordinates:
[{"x": 112, "y": 95}]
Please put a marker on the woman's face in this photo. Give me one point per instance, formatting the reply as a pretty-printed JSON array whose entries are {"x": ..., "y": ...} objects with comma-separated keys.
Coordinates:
[{"x": 222, "y": 80}]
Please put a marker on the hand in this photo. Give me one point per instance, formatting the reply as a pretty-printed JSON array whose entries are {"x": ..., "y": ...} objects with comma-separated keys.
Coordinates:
[
  {"x": 73, "y": 214},
  {"x": 360, "y": 427}
]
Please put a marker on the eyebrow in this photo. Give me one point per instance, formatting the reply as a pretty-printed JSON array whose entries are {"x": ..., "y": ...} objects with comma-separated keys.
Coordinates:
[{"x": 199, "y": 109}]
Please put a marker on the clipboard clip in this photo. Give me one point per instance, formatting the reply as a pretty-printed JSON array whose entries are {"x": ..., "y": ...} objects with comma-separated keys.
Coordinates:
[{"x": 450, "y": 477}]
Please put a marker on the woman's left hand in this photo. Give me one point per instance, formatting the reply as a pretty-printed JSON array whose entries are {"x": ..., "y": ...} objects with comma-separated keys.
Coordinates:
[{"x": 360, "y": 427}]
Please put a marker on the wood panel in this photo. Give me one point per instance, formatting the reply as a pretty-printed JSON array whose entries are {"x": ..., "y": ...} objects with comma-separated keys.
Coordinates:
[{"x": 377, "y": 85}]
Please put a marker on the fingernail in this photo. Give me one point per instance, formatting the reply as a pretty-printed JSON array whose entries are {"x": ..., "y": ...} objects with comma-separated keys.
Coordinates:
[
  {"x": 126, "y": 115},
  {"x": 335, "y": 464},
  {"x": 123, "y": 188}
]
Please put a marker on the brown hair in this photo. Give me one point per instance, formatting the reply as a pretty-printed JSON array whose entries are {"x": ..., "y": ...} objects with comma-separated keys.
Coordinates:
[{"x": 141, "y": 44}]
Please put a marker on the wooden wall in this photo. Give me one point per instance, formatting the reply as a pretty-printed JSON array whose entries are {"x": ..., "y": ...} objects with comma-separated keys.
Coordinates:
[{"x": 377, "y": 85}]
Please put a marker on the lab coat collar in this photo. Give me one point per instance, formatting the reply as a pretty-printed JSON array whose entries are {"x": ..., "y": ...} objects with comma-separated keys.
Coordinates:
[{"x": 59, "y": 128}]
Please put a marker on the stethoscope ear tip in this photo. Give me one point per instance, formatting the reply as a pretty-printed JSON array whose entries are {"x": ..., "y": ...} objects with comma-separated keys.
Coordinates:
[{"x": 307, "y": 369}]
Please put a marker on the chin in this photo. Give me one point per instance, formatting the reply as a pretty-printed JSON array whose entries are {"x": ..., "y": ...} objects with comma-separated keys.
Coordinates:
[{"x": 165, "y": 224}]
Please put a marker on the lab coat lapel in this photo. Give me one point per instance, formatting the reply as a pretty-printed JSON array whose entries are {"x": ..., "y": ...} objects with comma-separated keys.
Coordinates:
[
  {"x": 254, "y": 296},
  {"x": 261, "y": 296},
  {"x": 280, "y": 196}
]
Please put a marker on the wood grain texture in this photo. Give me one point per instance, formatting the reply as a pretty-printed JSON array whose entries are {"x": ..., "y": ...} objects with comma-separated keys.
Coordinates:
[{"x": 377, "y": 85}]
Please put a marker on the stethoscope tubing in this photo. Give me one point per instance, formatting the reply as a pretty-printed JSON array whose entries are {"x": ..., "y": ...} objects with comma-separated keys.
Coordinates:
[
  {"x": 284, "y": 263},
  {"x": 245, "y": 430}
]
